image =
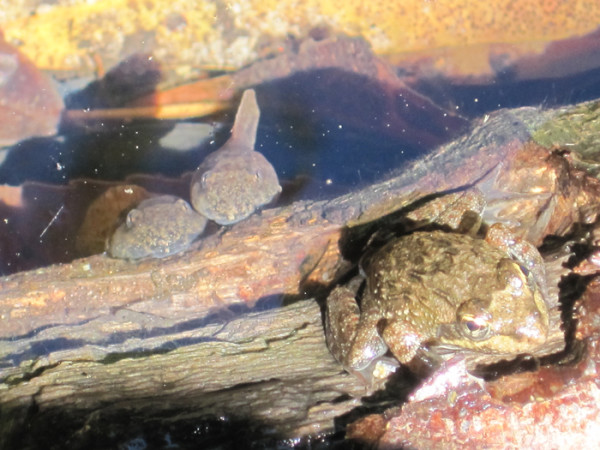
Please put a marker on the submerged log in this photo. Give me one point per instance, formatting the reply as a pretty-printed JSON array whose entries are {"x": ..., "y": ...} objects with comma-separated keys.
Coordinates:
[{"x": 198, "y": 341}]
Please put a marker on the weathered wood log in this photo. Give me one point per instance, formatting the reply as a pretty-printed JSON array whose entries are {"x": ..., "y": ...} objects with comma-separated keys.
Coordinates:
[
  {"x": 269, "y": 368},
  {"x": 191, "y": 338}
]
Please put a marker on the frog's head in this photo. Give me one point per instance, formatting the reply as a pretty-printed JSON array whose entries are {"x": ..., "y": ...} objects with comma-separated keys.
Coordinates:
[
  {"x": 235, "y": 188},
  {"x": 512, "y": 318}
]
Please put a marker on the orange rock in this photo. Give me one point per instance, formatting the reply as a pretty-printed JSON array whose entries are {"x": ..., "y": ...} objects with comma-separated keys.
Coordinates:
[
  {"x": 29, "y": 104},
  {"x": 186, "y": 34}
]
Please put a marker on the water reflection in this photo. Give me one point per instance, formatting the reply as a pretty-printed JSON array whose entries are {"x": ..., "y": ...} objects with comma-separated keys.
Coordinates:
[{"x": 326, "y": 132}]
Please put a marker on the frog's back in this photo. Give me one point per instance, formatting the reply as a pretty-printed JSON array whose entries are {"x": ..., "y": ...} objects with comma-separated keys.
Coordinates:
[
  {"x": 157, "y": 227},
  {"x": 418, "y": 274},
  {"x": 459, "y": 290}
]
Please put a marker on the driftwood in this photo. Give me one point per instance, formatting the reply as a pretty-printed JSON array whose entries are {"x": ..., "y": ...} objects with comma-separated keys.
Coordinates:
[{"x": 159, "y": 347}]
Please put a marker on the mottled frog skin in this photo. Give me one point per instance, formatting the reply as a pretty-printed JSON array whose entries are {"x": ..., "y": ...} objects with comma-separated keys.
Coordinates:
[
  {"x": 157, "y": 227},
  {"x": 234, "y": 181},
  {"x": 438, "y": 288}
]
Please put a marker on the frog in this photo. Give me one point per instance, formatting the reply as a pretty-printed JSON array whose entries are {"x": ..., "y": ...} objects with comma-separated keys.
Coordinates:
[
  {"x": 439, "y": 290},
  {"x": 235, "y": 180},
  {"x": 157, "y": 227},
  {"x": 230, "y": 185}
]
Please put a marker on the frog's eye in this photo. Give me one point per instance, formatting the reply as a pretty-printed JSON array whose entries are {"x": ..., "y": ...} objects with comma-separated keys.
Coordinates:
[
  {"x": 525, "y": 270},
  {"x": 135, "y": 215},
  {"x": 474, "y": 327},
  {"x": 182, "y": 205},
  {"x": 473, "y": 320},
  {"x": 204, "y": 180}
]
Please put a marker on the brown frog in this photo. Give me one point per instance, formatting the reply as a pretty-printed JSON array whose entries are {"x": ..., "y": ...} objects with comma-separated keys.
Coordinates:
[
  {"x": 432, "y": 289},
  {"x": 227, "y": 187},
  {"x": 234, "y": 181},
  {"x": 157, "y": 227}
]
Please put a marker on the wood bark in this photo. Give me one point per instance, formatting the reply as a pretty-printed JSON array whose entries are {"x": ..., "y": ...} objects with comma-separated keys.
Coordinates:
[{"x": 200, "y": 337}]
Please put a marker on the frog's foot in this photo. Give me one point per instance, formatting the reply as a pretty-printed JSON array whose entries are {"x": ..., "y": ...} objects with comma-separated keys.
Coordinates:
[
  {"x": 375, "y": 375},
  {"x": 506, "y": 207},
  {"x": 403, "y": 339},
  {"x": 425, "y": 362},
  {"x": 352, "y": 337},
  {"x": 405, "y": 342},
  {"x": 449, "y": 209}
]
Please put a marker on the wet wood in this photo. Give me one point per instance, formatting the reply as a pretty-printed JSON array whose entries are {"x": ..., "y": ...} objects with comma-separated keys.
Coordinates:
[
  {"x": 270, "y": 254},
  {"x": 195, "y": 334},
  {"x": 216, "y": 366}
]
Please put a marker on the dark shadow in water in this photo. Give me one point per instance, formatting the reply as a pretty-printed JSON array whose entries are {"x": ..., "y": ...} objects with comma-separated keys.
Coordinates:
[
  {"x": 508, "y": 92},
  {"x": 325, "y": 124},
  {"x": 147, "y": 427},
  {"x": 337, "y": 128}
]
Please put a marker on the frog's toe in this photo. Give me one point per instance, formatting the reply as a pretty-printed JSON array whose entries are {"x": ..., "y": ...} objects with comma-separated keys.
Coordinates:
[
  {"x": 515, "y": 208},
  {"x": 506, "y": 207},
  {"x": 376, "y": 373}
]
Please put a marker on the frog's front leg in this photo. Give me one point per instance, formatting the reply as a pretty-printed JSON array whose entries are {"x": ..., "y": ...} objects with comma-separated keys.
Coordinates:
[
  {"x": 450, "y": 209},
  {"x": 353, "y": 338},
  {"x": 403, "y": 339}
]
